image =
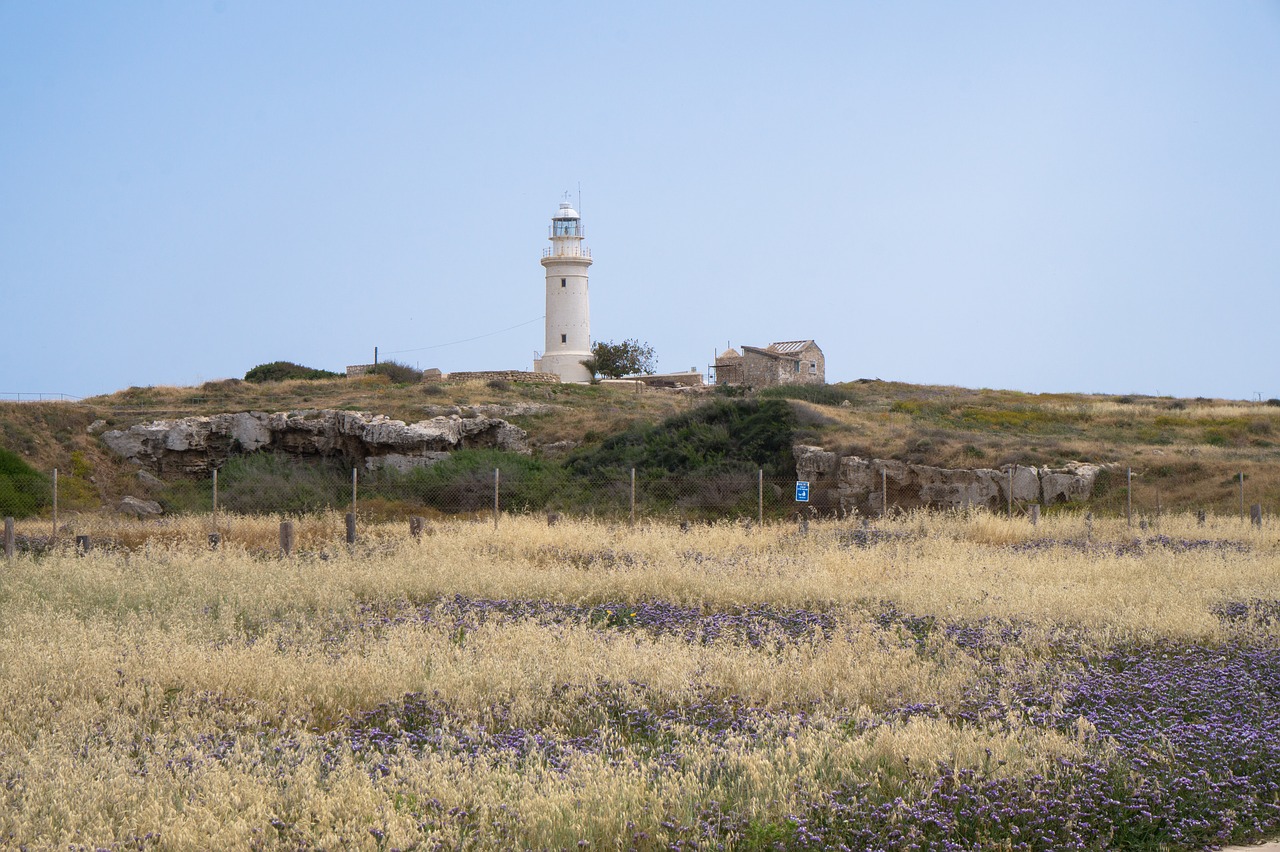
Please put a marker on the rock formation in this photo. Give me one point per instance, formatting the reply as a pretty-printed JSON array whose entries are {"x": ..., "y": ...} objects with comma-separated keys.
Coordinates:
[
  {"x": 193, "y": 446},
  {"x": 857, "y": 484}
]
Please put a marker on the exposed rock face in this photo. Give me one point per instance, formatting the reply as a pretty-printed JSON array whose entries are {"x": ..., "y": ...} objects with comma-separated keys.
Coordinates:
[
  {"x": 193, "y": 446},
  {"x": 854, "y": 483}
]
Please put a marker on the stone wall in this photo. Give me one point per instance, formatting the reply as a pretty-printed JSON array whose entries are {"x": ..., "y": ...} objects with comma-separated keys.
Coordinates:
[
  {"x": 193, "y": 446},
  {"x": 506, "y": 376},
  {"x": 851, "y": 483}
]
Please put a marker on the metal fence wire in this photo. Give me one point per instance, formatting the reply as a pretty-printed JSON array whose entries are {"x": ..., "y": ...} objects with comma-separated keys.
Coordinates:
[{"x": 336, "y": 501}]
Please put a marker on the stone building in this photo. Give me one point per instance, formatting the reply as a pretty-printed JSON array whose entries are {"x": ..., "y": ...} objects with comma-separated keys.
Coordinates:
[{"x": 787, "y": 362}]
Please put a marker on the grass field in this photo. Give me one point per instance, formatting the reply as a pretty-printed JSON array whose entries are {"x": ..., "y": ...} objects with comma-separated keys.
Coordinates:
[{"x": 930, "y": 682}]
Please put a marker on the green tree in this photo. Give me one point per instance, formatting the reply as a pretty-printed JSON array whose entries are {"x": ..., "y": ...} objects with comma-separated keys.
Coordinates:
[{"x": 615, "y": 360}]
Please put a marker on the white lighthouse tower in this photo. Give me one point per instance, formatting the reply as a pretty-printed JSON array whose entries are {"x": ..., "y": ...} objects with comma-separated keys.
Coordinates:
[{"x": 568, "y": 313}]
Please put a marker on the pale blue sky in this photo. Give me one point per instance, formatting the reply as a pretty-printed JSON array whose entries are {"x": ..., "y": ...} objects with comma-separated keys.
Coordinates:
[{"x": 1078, "y": 196}]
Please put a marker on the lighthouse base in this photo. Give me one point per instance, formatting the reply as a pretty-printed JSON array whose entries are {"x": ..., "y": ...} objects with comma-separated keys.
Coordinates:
[{"x": 566, "y": 365}]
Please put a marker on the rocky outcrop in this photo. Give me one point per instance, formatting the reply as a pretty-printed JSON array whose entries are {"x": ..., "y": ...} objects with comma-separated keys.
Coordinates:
[
  {"x": 857, "y": 484},
  {"x": 193, "y": 446},
  {"x": 139, "y": 508}
]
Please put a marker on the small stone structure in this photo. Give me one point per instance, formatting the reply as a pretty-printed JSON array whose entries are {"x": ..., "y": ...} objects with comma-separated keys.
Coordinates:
[
  {"x": 193, "y": 446},
  {"x": 787, "y": 362},
  {"x": 355, "y": 370},
  {"x": 857, "y": 484}
]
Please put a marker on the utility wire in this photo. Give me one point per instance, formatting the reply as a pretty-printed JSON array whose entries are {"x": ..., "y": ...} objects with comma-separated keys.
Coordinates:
[{"x": 469, "y": 339}]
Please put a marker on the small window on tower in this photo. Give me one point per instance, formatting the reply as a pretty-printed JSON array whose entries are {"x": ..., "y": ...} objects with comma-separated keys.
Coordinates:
[
  {"x": 564, "y": 338},
  {"x": 561, "y": 282}
]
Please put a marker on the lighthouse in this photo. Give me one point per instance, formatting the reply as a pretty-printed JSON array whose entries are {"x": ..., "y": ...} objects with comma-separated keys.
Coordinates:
[{"x": 568, "y": 313}]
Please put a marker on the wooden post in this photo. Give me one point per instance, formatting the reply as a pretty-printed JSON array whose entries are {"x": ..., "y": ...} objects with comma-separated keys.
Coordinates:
[
  {"x": 497, "y": 479},
  {"x": 54, "y": 537},
  {"x": 286, "y": 538},
  {"x": 354, "y": 479},
  {"x": 1255, "y": 515},
  {"x": 1035, "y": 514},
  {"x": 10, "y": 540},
  {"x": 351, "y": 527},
  {"x": 1128, "y": 497},
  {"x": 1241, "y": 495},
  {"x": 884, "y": 491},
  {"x": 416, "y": 523},
  {"x": 633, "y": 495},
  {"x": 760, "y": 497},
  {"x": 1011, "y": 491},
  {"x": 82, "y": 545}
]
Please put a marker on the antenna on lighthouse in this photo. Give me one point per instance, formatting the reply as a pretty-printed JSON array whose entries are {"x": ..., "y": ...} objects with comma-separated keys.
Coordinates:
[{"x": 579, "y": 198}]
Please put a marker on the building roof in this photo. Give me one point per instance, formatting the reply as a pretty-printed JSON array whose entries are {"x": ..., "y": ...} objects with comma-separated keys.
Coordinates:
[
  {"x": 790, "y": 347},
  {"x": 771, "y": 353},
  {"x": 728, "y": 353},
  {"x": 566, "y": 211}
]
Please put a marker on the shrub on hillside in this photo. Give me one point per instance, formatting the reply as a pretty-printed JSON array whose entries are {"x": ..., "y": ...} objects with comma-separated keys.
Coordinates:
[
  {"x": 23, "y": 490},
  {"x": 397, "y": 373},
  {"x": 720, "y": 437},
  {"x": 279, "y": 371}
]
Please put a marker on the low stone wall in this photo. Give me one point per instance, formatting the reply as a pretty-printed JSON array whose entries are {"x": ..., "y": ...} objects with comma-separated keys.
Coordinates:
[
  {"x": 857, "y": 484},
  {"x": 505, "y": 376},
  {"x": 354, "y": 370}
]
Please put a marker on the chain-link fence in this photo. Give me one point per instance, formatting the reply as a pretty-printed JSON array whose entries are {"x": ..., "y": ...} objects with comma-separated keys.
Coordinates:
[{"x": 335, "y": 502}]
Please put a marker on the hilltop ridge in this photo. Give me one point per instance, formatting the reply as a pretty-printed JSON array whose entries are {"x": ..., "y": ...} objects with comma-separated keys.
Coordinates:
[{"x": 1186, "y": 453}]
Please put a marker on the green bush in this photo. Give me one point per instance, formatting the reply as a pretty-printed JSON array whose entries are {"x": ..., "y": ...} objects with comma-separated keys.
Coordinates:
[
  {"x": 464, "y": 482},
  {"x": 279, "y": 371},
  {"x": 23, "y": 490},
  {"x": 724, "y": 436},
  {"x": 399, "y": 374},
  {"x": 265, "y": 483}
]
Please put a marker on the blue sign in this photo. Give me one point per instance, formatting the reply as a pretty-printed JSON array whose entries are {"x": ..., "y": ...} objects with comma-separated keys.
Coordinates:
[{"x": 802, "y": 492}]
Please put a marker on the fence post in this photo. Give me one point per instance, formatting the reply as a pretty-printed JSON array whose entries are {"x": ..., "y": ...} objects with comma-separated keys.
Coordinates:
[
  {"x": 497, "y": 478},
  {"x": 286, "y": 538},
  {"x": 633, "y": 493},
  {"x": 354, "y": 480},
  {"x": 1011, "y": 491},
  {"x": 1128, "y": 497},
  {"x": 1088, "y": 527},
  {"x": 1241, "y": 495},
  {"x": 215, "y": 504},
  {"x": 9, "y": 538},
  {"x": 54, "y": 536},
  {"x": 1200, "y": 516},
  {"x": 415, "y": 525},
  {"x": 351, "y": 527},
  {"x": 1255, "y": 515},
  {"x": 82, "y": 545},
  {"x": 760, "y": 498},
  {"x": 1035, "y": 514},
  {"x": 884, "y": 491}
]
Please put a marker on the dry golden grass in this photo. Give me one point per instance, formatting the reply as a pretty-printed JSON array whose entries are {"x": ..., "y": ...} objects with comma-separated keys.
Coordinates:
[{"x": 205, "y": 695}]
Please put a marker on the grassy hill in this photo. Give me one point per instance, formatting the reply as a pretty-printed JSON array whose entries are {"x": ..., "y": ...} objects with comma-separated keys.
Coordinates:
[{"x": 1186, "y": 453}]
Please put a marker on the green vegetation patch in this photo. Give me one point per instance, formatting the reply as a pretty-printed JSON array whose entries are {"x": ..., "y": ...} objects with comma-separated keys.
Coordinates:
[
  {"x": 724, "y": 436},
  {"x": 279, "y": 371},
  {"x": 23, "y": 490}
]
